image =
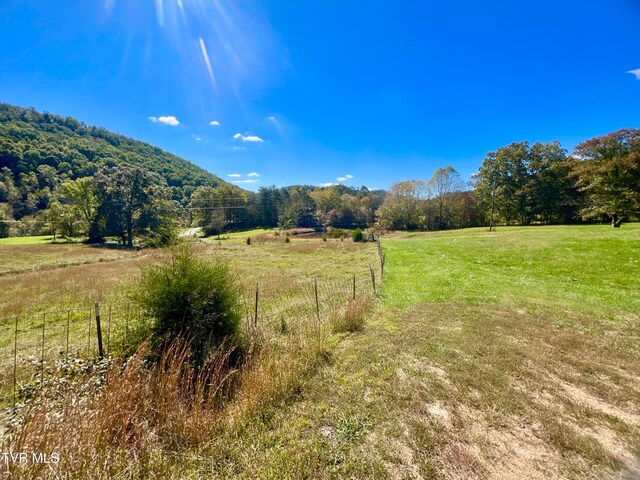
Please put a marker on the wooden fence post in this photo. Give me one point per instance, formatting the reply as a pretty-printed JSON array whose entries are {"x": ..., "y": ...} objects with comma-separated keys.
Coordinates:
[{"x": 99, "y": 331}]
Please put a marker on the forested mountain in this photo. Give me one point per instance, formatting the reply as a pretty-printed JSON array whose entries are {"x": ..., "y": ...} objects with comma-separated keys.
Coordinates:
[{"x": 39, "y": 151}]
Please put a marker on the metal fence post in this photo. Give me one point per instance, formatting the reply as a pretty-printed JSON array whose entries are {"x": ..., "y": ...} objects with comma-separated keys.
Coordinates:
[
  {"x": 68, "y": 324},
  {"x": 89, "y": 334},
  {"x": 354, "y": 286},
  {"x": 255, "y": 317},
  {"x": 126, "y": 326},
  {"x": 373, "y": 279},
  {"x": 99, "y": 330},
  {"x": 317, "y": 301},
  {"x": 109, "y": 332},
  {"x": 44, "y": 321},
  {"x": 15, "y": 363}
]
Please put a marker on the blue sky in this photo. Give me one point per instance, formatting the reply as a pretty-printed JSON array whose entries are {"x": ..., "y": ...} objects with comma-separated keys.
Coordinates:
[{"x": 312, "y": 91}]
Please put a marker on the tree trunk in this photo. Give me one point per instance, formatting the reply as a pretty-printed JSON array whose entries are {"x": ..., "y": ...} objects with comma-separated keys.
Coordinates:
[
  {"x": 615, "y": 221},
  {"x": 493, "y": 203},
  {"x": 129, "y": 231}
]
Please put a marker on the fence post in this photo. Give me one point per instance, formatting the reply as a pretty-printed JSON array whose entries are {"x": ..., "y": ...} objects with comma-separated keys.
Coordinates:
[
  {"x": 354, "y": 286},
  {"x": 383, "y": 260},
  {"x": 109, "y": 332},
  {"x": 44, "y": 321},
  {"x": 317, "y": 302},
  {"x": 15, "y": 364},
  {"x": 99, "y": 330},
  {"x": 68, "y": 323},
  {"x": 89, "y": 334},
  {"x": 373, "y": 279},
  {"x": 126, "y": 326},
  {"x": 255, "y": 317}
]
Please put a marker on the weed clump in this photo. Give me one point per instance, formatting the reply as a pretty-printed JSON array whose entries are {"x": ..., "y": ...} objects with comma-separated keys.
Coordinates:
[{"x": 357, "y": 235}]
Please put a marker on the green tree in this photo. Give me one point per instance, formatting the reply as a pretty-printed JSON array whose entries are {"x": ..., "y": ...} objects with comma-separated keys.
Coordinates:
[
  {"x": 523, "y": 183},
  {"x": 79, "y": 196},
  {"x": 128, "y": 199},
  {"x": 608, "y": 173},
  {"x": 4, "y": 224},
  {"x": 216, "y": 209}
]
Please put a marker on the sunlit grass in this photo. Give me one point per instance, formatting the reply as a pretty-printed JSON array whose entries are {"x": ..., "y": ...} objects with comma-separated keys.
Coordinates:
[{"x": 36, "y": 240}]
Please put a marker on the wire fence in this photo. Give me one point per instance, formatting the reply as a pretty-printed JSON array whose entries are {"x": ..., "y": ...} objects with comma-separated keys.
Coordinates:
[{"x": 31, "y": 344}]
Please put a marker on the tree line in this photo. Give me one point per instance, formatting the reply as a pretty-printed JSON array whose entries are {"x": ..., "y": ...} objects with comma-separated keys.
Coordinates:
[
  {"x": 525, "y": 184},
  {"x": 60, "y": 176}
]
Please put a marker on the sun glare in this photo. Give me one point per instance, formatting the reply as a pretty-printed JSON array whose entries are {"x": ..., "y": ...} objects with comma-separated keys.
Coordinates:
[{"x": 224, "y": 47}]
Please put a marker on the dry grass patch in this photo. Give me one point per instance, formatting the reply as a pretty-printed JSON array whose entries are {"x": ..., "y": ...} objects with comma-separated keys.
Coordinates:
[
  {"x": 352, "y": 317},
  {"x": 23, "y": 258}
]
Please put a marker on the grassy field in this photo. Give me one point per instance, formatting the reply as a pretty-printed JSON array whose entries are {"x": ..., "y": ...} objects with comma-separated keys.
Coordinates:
[
  {"x": 504, "y": 355},
  {"x": 500, "y": 355},
  {"x": 58, "y": 285}
]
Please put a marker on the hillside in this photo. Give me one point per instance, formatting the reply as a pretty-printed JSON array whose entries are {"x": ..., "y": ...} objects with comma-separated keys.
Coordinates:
[{"x": 40, "y": 150}]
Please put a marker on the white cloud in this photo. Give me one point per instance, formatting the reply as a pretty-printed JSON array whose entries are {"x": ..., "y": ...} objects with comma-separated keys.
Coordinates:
[
  {"x": 635, "y": 72},
  {"x": 348, "y": 177},
  {"x": 253, "y": 174},
  {"x": 167, "y": 120},
  {"x": 252, "y": 138},
  {"x": 345, "y": 178},
  {"x": 245, "y": 181},
  {"x": 237, "y": 175},
  {"x": 328, "y": 184},
  {"x": 214, "y": 123},
  {"x": 271, "y": 118},
  {"x": 248, "y": 138}
]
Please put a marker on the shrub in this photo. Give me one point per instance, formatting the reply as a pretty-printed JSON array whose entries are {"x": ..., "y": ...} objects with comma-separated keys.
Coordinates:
[
  {"x": 357, "y": 235},
  {"x": 352, "y": 317},
  {"x": 192, "y": 298},
  {"x": 287, "y": 239},
  {"x": 248, "y": 240}
]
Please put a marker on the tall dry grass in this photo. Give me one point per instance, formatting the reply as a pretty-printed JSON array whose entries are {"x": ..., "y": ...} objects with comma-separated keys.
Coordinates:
[
  {"x": 128, "y": 427},
  {"x": 139, "y": 420}
]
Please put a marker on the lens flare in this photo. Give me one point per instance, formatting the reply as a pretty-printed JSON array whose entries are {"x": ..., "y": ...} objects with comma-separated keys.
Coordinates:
[
  {"x": 215, "y": 49},
  {"x": 207, "y": 62}
]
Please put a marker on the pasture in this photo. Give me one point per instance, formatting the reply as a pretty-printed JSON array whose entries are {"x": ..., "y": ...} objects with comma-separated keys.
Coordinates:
[
  {"x": 511, "y": 354},
  {"x": 504, "y": 355}
]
